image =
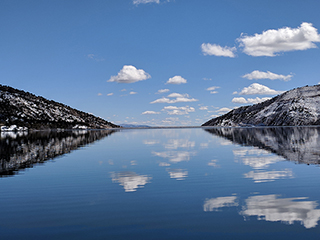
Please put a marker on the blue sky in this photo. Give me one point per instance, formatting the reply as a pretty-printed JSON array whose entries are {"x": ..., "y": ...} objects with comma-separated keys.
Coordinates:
[{"x": 159, "y": 62}]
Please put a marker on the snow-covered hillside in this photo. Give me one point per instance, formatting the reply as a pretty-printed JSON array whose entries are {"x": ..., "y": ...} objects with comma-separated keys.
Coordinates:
[
  {"x": 27, "y": 110},
  {"x": 300, "y": 106}
]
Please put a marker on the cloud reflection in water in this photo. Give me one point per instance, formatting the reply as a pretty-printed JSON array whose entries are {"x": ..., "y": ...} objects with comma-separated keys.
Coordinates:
[
  {"x": 271, "y": 208},
  {"x": 130, "y": 180},
  {"x": 256, "y": 158},
  {"x": 213, "y": 204},
  {"x": 179, "y": 143},
  {"x": 213, "y": 163},
  {"x": 268, "y": 176},
  {"x": 175, "y": 156},
  {"x": 178, "y": 174},
  {"x": 287, "y": 210}
]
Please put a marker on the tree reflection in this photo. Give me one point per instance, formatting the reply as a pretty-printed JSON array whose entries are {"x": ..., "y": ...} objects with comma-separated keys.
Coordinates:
[
  {"x": 298, "y": 144},
  {"x": 19, "y": 151}
]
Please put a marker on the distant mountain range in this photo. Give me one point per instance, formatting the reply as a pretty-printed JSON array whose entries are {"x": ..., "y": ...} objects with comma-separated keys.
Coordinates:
[
  {"x": 124, "y": 125},
  {"x": 27, "y": 110},
  {"x": 300, "y": 106}
]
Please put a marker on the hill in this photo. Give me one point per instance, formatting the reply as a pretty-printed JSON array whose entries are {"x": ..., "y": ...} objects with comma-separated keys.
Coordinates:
[
  {"x": 24, "y": 109},
  {"x": 297, "y": 107}
]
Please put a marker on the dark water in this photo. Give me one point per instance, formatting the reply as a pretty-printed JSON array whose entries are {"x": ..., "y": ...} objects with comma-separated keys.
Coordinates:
[{"x": 218, "y": 183}]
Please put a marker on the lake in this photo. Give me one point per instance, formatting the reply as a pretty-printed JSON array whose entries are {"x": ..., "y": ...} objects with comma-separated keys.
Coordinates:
[{"x": 188, "y": 183}]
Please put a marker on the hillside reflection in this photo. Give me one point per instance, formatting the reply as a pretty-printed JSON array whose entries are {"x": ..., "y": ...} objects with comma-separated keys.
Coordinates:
[
  {"x": 298, "y": 144},
  {"x": 22, "y": 150}
]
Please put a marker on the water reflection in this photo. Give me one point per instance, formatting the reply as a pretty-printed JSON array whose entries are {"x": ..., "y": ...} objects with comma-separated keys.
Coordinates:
[
  {"x": 179, "y": 143},
  {"x": 213, "y": 163},
  {"x": 178, "y": 174},
  {"x": 298, "y": 144},
  {"x": 175, "y": 156},
  {"x": 271, "y": 208},
  {"x": 175, "y": 148},
  {"x": 268, "y": 176},
  {"x": 256, "y": 158},
  {"x": 22, "y": 150},
  {"x": 198, "y": 196},
  {"x": 214, "y": 204},
  {"x": 151, "y": 142},
  {"x": 164, "y": 164},
  {"x": 130, "y": 181},
  {"x": 287, "y": 210},
  {"x": 13, "y": 135}
]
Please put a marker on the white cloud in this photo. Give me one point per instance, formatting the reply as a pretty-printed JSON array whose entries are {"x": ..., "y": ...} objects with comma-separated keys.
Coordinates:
[
  {"x": 132, "y": 93},
  {"x": 163, "y": 90},
  {"x": 224, "y": 110},
  {"x": 207, "y": 79},
  {"x": 176, "y": 80},
  {"x": 173, "y": 110},
  {"x": 109, "y": 94},
  {"x": 176, "y": 95},
  {"x": 136, "y": 2},
  {"x": 129, "y": 74},
  {"x": 249, "y": 100},
  {"x": 272, "y": 41},
  {"x": 99, "y": 94},
  {"x": 256, "y": 88},
  {"x": 162, "y": 100},
  {"x": 91, "y": 56},
  {"x": 266, "y": 75},
  {"x": 203, "y": 108},
  {"x": 179, "y": 98},
  {"x": 212, "y": 89},
  {"x": 170, "y": 120},
  {"x": 150, "y": 112},
  {"x": 95, "y": 57},
  {"x": 239, "y": 100},
  {"x": 216, "y": 50}
]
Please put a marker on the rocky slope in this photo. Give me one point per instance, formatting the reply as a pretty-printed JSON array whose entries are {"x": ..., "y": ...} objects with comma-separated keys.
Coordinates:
[
  {"x": 27, "y": 110},
  {"x": 300, "y": 106}
]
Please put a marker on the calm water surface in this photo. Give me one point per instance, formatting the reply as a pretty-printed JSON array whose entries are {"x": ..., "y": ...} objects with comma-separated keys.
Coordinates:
[{"x": 217, "y": 183}]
